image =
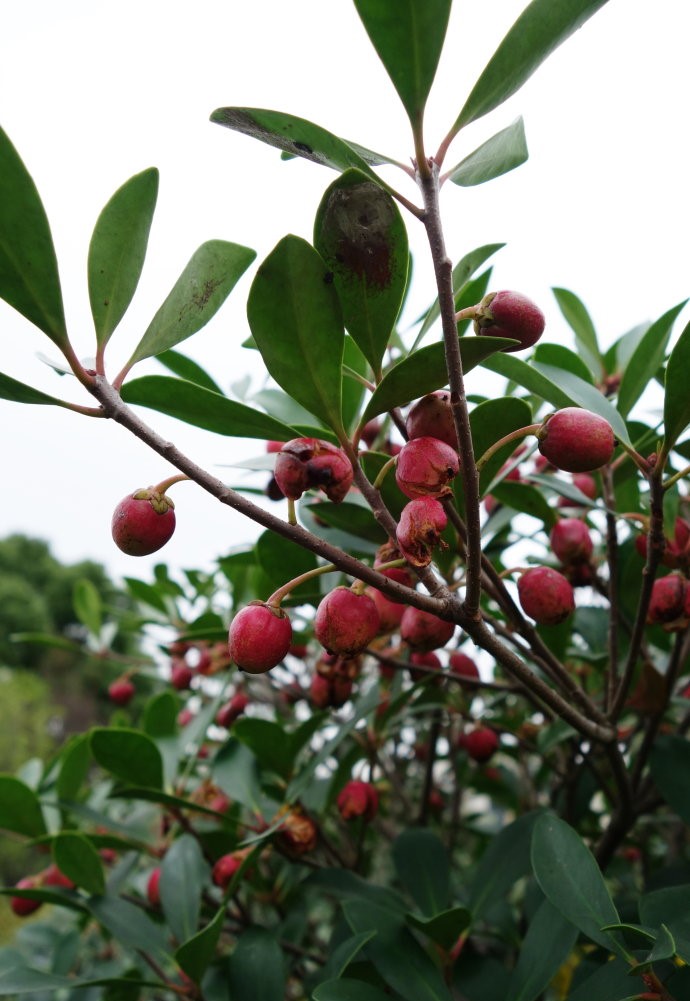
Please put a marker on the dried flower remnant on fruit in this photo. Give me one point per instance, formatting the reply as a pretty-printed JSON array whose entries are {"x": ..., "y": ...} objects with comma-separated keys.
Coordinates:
[
  {"x": 143, "y": 522},
  {"x": 510, "y": 314},
  {"x": 668, "y": 599},
  {"x": 425, "y": 467},
  {"x": 419, "y": 530},
  {"x": 297, "y": 834},
  {"x": 546, "y": 596},
  {"x": 358, "y": 799},
  {"x": 312, "y": 464},
  {"x": 259, "y": 637},
  {"x": 346, "y": 622},
  {"x": 576, "y": 440}
]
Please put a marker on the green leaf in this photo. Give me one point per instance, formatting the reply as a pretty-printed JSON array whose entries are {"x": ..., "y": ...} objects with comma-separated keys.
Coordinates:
[
  {"x": 421, "y": 862},
  {"x": 559, "y": 356},
  {"x": 354, "y": 364},
  {"x": 196, "y": 954},
  {"x": 77, "y": 859},
  {"x": 184, "y": 873},
  {"x": 408, "y": 37},
  {"x": 29, "y": 279},
  {"x": 344, "y": 953},
  {"x": 612, "y": 980},
  {"x": 527, "y": 499},
  {"x": 256, "y": 969},
  {"x": 669, "y": 764},
  {"x": 647, "y": 360},
  {"x": 281, "y": 560},
  {"x": 211, "y": 274},
  {"x": 505, "y": 861},
  {"x": 462, "y": 272},
  {"x": 188, "y": 370},
  {"x": 128, "y": 924},
  {"x": 87, "y": 605},
  {"x": 353, "y": 518},
  {"x": 396, "y": 954},
  {"x": 361, "y": 237},
  {"x": 203, "y": 408},
  {"x": 677, "y": 398},
  {"x": 160, "y": 715},
  {"x": 19, "y": 392},
  {"x": 268, "y": 741},
  {"x": 570, "y": 878},
  {"x": 540, "y": 29},
  {"x": 500, "y": 154},
  {"x": 76, "y": 762},
  {"x": 129, "y": 755},
  {"x": 346, "y": 885},
  {"x": 527, "y": 377},
  {"x": 445, "y": 927},
  {"x": 492, "y": 420},
  {"x": 583, "y": 394},
  {"x": 348, "y": 990},
  {"x": 424, "y": 371},
  {"x": 669, "y": 906},
  {"x": 295, "y": 317},
  {"x": 575, "y": 313},
  {"x": 234, "y": 768},
  {"x": 20, "y": 810},
  {"x": 548, "y": 943},
  {"x": 295, "y": 135},
  {"x": 117, "y": 250}
]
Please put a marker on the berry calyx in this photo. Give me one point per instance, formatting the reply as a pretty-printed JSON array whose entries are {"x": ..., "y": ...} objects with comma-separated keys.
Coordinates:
[
  {"x": 259, "y": 637},
  {"x": 358, "y": 799},
  {"x": 432, "y": 417},
  {"x": 425, "y": 467},
  {"x": 346, "y": 622},
  {"x": 510, "y": 314},
  {"x": 419, "y": 530},
  {"x": 143, "y": 522},
  {"x": 546, "y": 596},
  {"x": 576, "y": 440},
  {"x": 310, "y": 463}
]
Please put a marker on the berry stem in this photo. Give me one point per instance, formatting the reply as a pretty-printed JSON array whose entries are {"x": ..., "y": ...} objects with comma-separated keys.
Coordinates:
[
  {"x": 468, "y": 313},
  {"x": 505, "y": 440},
  {"x": 165, "y": 485},
  {"x": 667, "y": 484},
  {"x": 383, "y": 472}
]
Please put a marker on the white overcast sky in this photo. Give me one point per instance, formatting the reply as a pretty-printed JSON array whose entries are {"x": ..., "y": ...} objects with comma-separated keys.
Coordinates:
[{"x": 93, "y": 92}]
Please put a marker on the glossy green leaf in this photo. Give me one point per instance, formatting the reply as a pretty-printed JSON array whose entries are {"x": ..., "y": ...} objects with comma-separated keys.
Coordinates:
[
  {"x": 396, "y": 954},
  {"x": 235, "y": 769},
  {"x": 295, "y": 317},
  {"x": 354, "y": 365},
  {"x": 19, "y": 980},
  {"x": 540, "y": 29},
  {"x": 563, "y": 488},
  {"x": 559, "y": 356},
  {"x": 526, "y": 499},
  {"x": 669, "y": 764},
  {"x": 611, "y": 980},
  {"x": 500, "y": 154},
  {"x": 20, "y": 810},
  {"x": 424, "y": 371},
  {"x": 643, "y": 366},
  {"x": 348, "y": 990},
  {"x": 205, "y": 409},
  {"x": 669, "y": 906},
  {"x": 445, "y": 927},
  {"x": 282, "y": 560},
  {"x": 19, "y": 392},
  {"x": 361, "y": 237},
  {"x": 256, "y": 970},
  {"x": 117, "y": 250},
  {"x": 353, "y": 518},
  {"x": 505, "y": 861},
  {"x": 209, "y": 277},
  {"x": 421, "y": 862},
  {"x": 527, "y": 377},
  {"x": 76, "y": 858},
  {"x": 129, "y": 925},
  {"x": 677, "y": 398},
  {"x": 492, "y": 420},
  {"x": 29, "y": 279},
  {"x": 268, "y": 741},
  {"x": 343, "y": 954},
  {"x": 196, "y": 954},
  {"x": 187, "y": 369},
  {"x": 184, "y": 874},
  {"x": 74, "y": 767},
  {"x": 295, "y": 135},
  {"x": 462, "y": 272},
  {"x": 408, "y": 37},
  {"x": 571, "y": 879},
  {"x": 129, "y": 755},
  {"x": 346, "y": 885},
  {"x": 583, "y": 394},
  {"x": 160, "y": 715},
  {"x": 47, "y": 895},
  {"x": 88, "y": 605},
  {"x": 548, "y": 943},
  {"x": 575, "y": 313}
]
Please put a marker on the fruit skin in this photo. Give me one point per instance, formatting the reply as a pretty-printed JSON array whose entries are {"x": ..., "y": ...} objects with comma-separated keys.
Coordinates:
[
  {"x": 143, "y": 522},
  {"x": 259, "y": 637},
  {"x": 546, "y": 596},
  {"x": 22, "y": 906},
  {"x": 390, "y": 612},
  {"x": 419, "y": 530},
  {"x": 480, "y": 743},
  {"x": 153, "y": 888},
  {"x": 346, "y": 622},
  {"x": 462, "y": 665},
  {"x": 232, "y": 709},
  {"x": 121, "y": 692},
  {"x": 432, "y": 416},
  {"x": 571, "y": 541},
  {"x": 310, "y": 463},
  {"x": 329, "y": 693},
  {"x": 424, "y": 631},
  {"x": 668, "y": 599},
  {"x": 576, "y": 440},
  {"x": 675, "y": 550},
  {"x": 425, "y": 467},
  {"x": 510, "y": 314},
  {"x": 358, "y": 799},
  {"x": 52, "y": 876},
  {"x": 181, "y": 675},
  {"x": 429, "y": 660},
  {"x": 225, "y": 868}
]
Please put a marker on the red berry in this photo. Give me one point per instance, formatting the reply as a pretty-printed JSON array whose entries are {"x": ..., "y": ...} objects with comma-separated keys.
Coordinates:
[
  {"x": 346, "y": 622},
  {"x": 463, "y": 665},
  {"x": 425, "y": 467},
  {"x": 370, "y": 432},
  {"x": 153, "y": 888},
  {"x": 510, "y": 314},
  {"x": 121, "y": 692},
  {"x": 358, "y": 799},
  {"x": 225, "y": 868},
  {"x": 480, "y": 743},
  {"x": 576, "y": 440},
  {"x": 419, "y": 530},
  {"x": 432, "y": 417},
  {"x": 390, "y": 612},
  {"x": 310, "y": 463},
  {"x": 329, "y": 693},
  {"x": 546, "y": 596},
  {"x": 143, "y": 522},
  {"x": 53, "y": 877},
  {"x": 428, "y": 660},
  {"x": 274, "y": 446},
  {"x": 571, "y": 541},
  {"x": 259, "y": 638},
  {"x": 231, "y": 710},
  {"x": 425, "y": 631},
  {"x": 23, "y": 906},
  {"x": 668, "y": 599},
  {"x": 181, "y": 675}
]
